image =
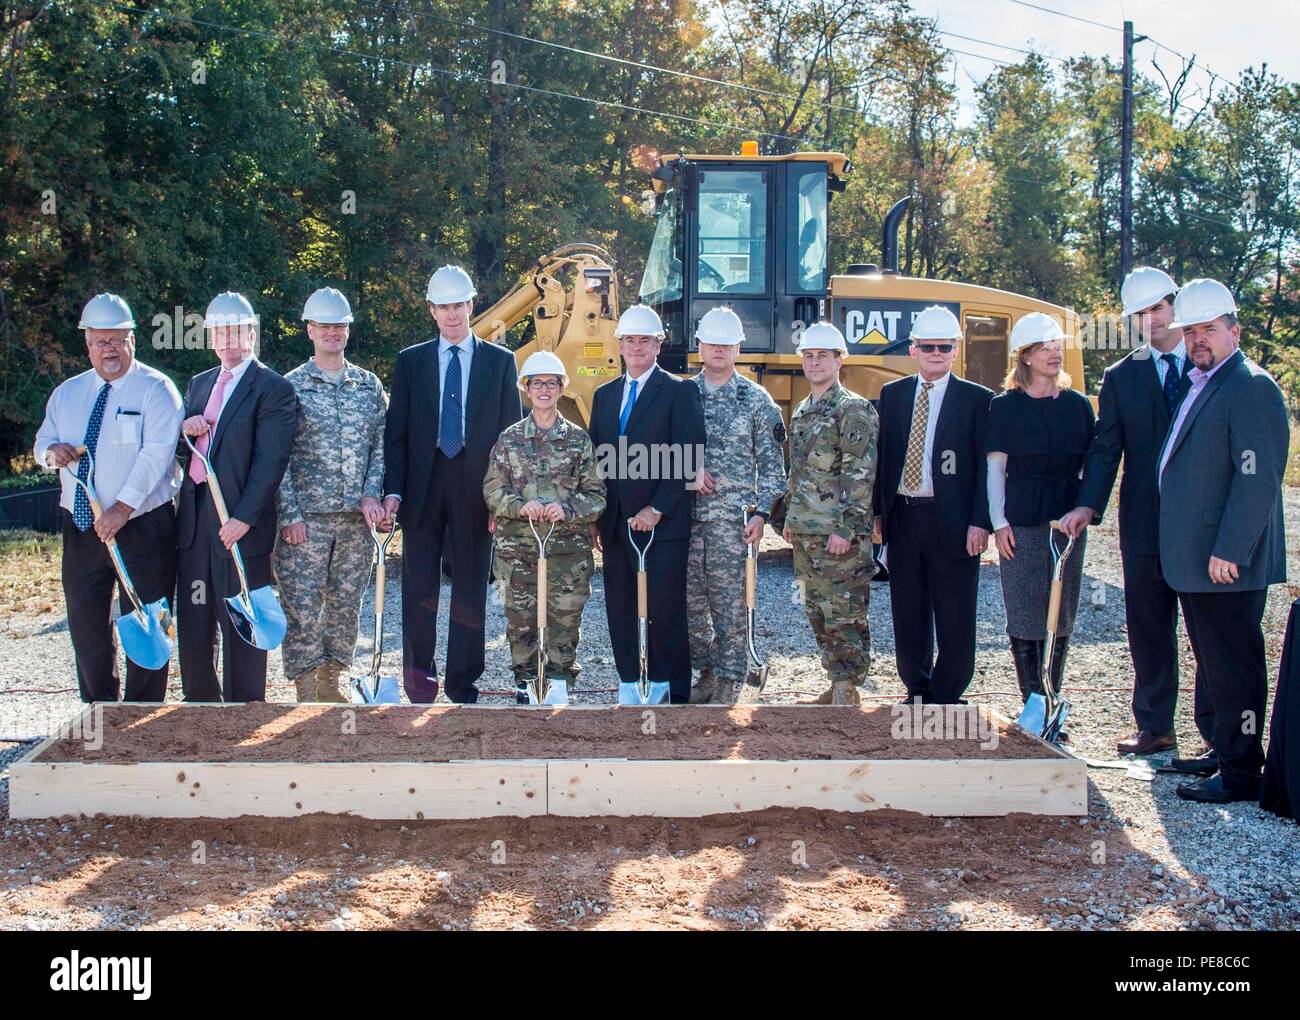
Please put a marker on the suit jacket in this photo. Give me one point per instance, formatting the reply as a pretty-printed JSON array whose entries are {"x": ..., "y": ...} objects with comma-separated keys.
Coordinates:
[
  {"x": 1132, "y": 421},
  {"x": 1221, "y": 492},
  {"x": 411, "y": 427},
  {"x": 249, "y": 454},
  {"x": 960, "y": 483},
  {"x": 668, "y": 411}
]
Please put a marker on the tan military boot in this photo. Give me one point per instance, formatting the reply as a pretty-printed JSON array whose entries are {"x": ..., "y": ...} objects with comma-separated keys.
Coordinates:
[
  {"x": 822, "y": 699},
  {"x": 327, "y": 683},
  {"x": 305, "y": 685},
  {"x": 702, "y": 692},
  {"x": 845, "y": 692},
  {"x": 724, "y": 693}
]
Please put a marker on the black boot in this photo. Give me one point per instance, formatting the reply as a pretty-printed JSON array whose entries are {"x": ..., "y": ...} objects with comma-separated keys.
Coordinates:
[{"x": 1028, "y": 657}]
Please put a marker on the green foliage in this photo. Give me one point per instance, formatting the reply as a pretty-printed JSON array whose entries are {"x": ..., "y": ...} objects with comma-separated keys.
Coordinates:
[{"x": 274, "y": 147}]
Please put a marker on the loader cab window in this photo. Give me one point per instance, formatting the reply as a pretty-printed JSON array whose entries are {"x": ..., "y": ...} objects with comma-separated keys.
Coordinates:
[
  {"x": 806, "y": 223},
  {"x": 986, "y": 349},
  {"x": 662, "y": 280},
  {"x": 733, "y": 232}
]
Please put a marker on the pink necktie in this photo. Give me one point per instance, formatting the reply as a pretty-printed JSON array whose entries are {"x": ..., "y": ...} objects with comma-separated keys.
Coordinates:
[{"x": 211, "y": 413}]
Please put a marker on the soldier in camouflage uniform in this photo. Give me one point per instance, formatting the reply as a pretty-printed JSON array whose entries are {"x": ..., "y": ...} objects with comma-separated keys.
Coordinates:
[
  {"x": 327, "y": 502},
  {"x": 543, "y": 468},
  {"x": 743, "y": 466},
  {"x": 829, "y": 520}
]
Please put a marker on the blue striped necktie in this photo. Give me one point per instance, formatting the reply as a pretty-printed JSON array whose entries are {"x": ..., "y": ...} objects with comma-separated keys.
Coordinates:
[
  {"x": 82, "y": 516},
  {"x": 451, "y": 430}
]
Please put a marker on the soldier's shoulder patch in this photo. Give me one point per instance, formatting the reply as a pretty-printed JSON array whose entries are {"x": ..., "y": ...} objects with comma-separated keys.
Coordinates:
[{"x": 778, "y": 430}]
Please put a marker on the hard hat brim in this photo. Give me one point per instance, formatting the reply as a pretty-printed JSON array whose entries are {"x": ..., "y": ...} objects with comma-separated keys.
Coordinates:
[{"x": 128, "y": 324}]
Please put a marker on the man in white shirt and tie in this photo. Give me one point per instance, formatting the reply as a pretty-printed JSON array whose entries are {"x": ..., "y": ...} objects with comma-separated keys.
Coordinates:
[
  {"x": 931, "y": 502},
  {"x": 128, "y": 415}
]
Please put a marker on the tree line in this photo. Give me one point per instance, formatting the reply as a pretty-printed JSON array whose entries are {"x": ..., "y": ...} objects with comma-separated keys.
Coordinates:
[{"x": 170, "y": 153}]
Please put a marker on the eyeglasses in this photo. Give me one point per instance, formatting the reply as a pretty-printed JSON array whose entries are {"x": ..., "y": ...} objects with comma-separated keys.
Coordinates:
[
  {"x": 936, "y": 348},
  {"x": 103, "y": 345},
  {"x": 543, "y": 384}
]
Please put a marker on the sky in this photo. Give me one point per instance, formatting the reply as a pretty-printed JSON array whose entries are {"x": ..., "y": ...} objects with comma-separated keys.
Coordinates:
[{"x": 1256, "y": 32}]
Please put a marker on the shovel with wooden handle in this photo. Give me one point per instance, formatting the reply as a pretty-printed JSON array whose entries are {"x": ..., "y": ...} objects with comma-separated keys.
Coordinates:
[
  {"x": 375, "y": 689},
  {"x": 256, "y": 615},
  {"x": 1044, "y": 714},
  {"x": 756, "y": 673},
  {"x": 542, "y": 691},
  {"x": 642, "y": 690},
  {"x": 148, "y": 632}
]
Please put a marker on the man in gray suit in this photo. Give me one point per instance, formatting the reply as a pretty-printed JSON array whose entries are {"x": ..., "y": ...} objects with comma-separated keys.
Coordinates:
[{"x": 1221, "y": 532}]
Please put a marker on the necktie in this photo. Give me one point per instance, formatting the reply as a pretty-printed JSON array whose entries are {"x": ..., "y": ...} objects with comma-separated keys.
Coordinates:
[
  {"x": 82, "y": 516},
  {"x": 211, "y": 412},
  {"x": 451, "y": 429},
  {"x": 627, "y": 409},
  {"x": 1173, "y": 383},
  {"x": 912, "y": 473}
]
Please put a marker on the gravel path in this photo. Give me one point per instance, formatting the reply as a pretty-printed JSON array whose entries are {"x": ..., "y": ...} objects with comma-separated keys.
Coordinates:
[{"x": 1143, "y": 858}]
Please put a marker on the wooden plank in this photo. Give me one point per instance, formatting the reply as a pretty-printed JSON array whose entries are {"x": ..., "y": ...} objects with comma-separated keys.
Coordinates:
[
  {"x": 478, "y": 789},
  {"x": 687, "y": 789}
]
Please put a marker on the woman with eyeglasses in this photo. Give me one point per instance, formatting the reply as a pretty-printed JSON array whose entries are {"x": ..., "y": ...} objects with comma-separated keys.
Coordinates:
[
  {"x": 1038, "y": 434},
  {"x": 542, "y": 474}
]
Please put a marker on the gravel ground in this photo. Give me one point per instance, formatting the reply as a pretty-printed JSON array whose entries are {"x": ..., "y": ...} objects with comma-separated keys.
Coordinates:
[{"x": 1141, "y": 859}]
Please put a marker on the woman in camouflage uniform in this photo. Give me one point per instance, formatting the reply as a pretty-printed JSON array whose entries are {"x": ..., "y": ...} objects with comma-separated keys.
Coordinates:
[{"x": 544, "y": 469}]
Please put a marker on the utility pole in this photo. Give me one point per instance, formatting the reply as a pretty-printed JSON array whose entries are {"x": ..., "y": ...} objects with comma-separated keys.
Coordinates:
[{"x": 1126, "y": 157}]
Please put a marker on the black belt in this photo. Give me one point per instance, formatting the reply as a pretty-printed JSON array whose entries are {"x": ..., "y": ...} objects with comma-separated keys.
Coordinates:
[{"x": 915, "y": 500}]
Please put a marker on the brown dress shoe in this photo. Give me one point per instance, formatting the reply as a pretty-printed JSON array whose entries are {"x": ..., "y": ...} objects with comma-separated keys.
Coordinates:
[{"x": 1143, "y": 742}]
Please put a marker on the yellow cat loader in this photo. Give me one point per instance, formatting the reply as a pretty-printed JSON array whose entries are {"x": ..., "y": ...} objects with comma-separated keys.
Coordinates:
[{"x": 749, "y": 232}]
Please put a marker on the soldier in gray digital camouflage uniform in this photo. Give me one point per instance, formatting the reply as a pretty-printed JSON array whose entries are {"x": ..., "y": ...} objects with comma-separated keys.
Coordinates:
[
  {"x": 328, "y": 500},
  {"x": 743, "y": 466},
  {"x": 543, "y": 468},
  {"x": 833, "y": 435}
]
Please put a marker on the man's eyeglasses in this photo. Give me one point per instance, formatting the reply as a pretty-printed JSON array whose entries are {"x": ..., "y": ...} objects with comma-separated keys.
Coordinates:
[
  {"x": 104, "y": 345},
  {"x": 936, "y": 348},
  {"x": 543, "y": 384}
]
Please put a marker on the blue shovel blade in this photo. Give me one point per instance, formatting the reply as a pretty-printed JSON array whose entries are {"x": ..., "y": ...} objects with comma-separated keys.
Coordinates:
[
  {"x": 261, "y": 624},
  {"x": 629, "y": 693},
  {"x": 147, "y": 643},
  {"x": 385, "y": 692},
  {"x": 1033, "y": 715},
  {"x": 558, "y": 694}
]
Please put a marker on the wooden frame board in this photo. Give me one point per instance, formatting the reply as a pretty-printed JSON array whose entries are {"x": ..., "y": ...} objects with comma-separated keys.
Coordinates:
[{"x": 1055, "y": 784}]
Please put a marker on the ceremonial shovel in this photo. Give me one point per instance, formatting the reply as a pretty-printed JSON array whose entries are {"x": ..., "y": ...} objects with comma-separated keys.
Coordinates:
[{"x": 147, "y": 631}]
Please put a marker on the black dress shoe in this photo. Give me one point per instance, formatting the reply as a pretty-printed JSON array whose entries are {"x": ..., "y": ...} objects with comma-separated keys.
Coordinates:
[
  {"x": 1212, "y": 791},
  {"x": 1205, "y": 765}
]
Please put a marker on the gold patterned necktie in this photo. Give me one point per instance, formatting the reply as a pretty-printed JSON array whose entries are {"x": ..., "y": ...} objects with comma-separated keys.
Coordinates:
[{"x": 916, "y": 440}]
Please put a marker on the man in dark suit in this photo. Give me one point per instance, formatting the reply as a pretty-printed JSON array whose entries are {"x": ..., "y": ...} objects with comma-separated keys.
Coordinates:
[
  {"x": 1221, "y": 530},
  {"x": 242, "y": 416},
  {"x": 452, "y": 396},
  {"x": 931, "y": 504},
  {"x": 646, "y": 412},
  {"x": 1140, "y": 394}
]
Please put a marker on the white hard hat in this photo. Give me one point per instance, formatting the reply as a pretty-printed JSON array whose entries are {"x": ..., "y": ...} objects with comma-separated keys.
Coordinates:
[
  {"x": 543, "y": 363},
  {"x": 935, "y": 323},
  {"x": 1144, "y": 287},
  {"x": 327, "y": 305},
  {"x": 229, "y": 309},
  {"x": 822, "y": 336},
  {"x": 720, "y": 326},
  {"x": 639, "y": 320},
  {"x": 1035, "y": 328},
  {"x": 106, "y": 311},
  {"x": 450, "y": 285},
  {"x": 1202, "y": 301}
]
